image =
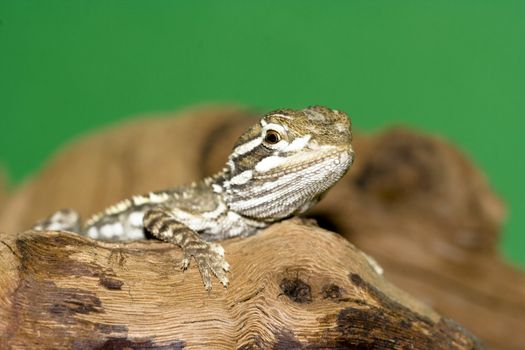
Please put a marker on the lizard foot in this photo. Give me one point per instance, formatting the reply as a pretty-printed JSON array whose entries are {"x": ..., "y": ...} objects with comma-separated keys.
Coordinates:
[{"x": 210, "y": 259}]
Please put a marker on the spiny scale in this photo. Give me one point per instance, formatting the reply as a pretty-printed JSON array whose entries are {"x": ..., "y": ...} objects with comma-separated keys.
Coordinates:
[{"x": 278, "y": 168}]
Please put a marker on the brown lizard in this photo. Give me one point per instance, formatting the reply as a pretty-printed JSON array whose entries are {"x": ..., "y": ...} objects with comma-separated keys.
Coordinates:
[{"x": 278, "y": 168}]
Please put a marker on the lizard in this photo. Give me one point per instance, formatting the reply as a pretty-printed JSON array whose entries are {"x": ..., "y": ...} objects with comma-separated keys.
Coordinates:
[{"x": 280, "y": 167}]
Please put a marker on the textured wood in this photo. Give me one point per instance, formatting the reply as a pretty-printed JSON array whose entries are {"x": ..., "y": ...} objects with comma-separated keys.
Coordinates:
[
  {"x": 412, "y": 201},
  {"x": 75, "y": 293}
]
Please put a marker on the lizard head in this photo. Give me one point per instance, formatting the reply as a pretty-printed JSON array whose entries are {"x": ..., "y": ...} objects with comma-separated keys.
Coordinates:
[{"x": 283, "y": 164}]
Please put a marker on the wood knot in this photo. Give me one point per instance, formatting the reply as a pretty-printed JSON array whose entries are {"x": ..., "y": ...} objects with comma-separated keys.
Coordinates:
[
  {"x": 332, "y": 291},
  {"x": 297, "y": 290}
]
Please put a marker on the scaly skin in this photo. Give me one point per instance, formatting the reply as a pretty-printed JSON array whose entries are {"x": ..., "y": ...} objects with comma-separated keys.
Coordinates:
[{"x": 279, "y": 168}]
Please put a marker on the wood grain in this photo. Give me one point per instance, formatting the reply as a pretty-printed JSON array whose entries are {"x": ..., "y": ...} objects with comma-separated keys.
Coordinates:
[{"x": 76, "y": 293}]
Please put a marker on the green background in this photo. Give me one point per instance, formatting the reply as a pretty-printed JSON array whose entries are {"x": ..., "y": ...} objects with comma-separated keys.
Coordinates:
[{"x": 452, "y": 67}]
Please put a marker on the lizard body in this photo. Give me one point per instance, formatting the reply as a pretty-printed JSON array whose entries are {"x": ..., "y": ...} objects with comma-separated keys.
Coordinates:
[{"x": 278, "y": 168}]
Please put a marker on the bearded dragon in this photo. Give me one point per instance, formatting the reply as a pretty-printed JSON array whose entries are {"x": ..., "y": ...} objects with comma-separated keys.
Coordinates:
[{"x": 278, "y": 168}]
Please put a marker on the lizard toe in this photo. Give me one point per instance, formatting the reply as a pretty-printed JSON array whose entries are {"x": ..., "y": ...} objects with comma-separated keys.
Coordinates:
[
  {"x": 221, "y": 275},
  {"x": 204, "y": 270},
  {"x": 185, "y": 262},
  {"x": 209, "y": 261}
]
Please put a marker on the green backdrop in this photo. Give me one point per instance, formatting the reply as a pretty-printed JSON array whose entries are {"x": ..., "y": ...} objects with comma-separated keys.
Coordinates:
[{"x": 452, "y": 67}]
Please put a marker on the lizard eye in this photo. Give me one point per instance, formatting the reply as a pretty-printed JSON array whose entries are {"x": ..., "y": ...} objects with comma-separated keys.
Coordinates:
[{"x": 272, "y": 137}]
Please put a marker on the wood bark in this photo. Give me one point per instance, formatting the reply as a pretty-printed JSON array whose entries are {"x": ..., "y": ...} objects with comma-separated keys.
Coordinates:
[
  {"x": 412, "y": 201},
  {"x": 292, "y": 286}
]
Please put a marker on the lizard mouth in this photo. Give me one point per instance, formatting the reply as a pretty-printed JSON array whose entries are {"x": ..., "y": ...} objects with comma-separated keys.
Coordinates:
[{"x": 338, "y": 158}]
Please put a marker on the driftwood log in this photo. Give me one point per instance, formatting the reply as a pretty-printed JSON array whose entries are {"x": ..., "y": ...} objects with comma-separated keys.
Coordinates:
[
  {"x": 292, "y": 286},
  {"x": 411, "y": 201}
]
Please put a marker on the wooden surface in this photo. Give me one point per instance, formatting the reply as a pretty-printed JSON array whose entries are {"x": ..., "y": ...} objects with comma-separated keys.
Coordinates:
[
  {"x": 411, "y": 201},
  {"x": 292, "y": 286}
]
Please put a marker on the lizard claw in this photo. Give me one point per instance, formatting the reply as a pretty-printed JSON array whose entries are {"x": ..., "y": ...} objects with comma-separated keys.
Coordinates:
[
  {"x": 185, "y": 262},
  {"x": 210, "y": 259}
]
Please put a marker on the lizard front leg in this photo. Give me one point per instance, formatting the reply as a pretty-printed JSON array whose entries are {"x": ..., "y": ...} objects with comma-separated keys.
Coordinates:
[{"x": 162, "y": 224}]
